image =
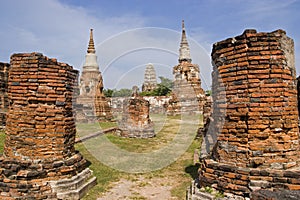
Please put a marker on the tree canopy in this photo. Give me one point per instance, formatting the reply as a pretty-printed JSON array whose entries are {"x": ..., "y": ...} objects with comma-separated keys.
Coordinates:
[{"x": 163, "y": 89}]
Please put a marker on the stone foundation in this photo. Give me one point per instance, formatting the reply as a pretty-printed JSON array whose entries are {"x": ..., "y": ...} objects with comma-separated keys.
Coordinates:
[
  {"x": 255, "y": 116},
  {"x": 40, "y": 130}
]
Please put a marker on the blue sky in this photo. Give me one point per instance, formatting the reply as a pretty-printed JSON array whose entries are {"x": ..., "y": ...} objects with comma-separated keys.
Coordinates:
[{"x": 60, "y": 29}]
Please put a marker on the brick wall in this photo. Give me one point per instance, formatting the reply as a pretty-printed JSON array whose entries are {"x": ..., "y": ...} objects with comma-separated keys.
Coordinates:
[
  {"x": 254, "y": 113},
  {"x": 136, "y": 121},
  {"x": 4, "y": 67},
  {"x": 40, "y": 130}
]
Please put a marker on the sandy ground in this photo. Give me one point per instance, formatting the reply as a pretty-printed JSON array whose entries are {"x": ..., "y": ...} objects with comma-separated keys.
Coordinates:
[{"x": 140, "y": 188}]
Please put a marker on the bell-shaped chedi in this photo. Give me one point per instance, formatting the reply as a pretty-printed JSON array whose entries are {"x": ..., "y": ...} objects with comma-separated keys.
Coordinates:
[
  {"x": 187, "y": 82},
  {"x": 89, "y": 76},
  {"x": 91, "y": 103}
]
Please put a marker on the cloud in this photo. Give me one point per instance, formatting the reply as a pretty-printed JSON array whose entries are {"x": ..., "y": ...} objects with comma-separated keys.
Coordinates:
[
  {"x": 61, "y": 31},
  {"x": 55, "y": 29},
  {"x": 129, "y": 52}
]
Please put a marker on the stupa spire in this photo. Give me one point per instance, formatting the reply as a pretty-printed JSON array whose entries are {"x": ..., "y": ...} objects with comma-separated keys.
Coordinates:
[
  {"x": 91, "y": 47},
  {"x": 184, "y": 50},
  {"x": 91, "y": 63}
]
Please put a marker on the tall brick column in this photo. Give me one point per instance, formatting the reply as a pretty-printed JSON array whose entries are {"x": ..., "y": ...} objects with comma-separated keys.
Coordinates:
[
  {"x": 39, "y": 160},
  {"x": 257, "y": 120},
  {"x": 4, "y": 67}
]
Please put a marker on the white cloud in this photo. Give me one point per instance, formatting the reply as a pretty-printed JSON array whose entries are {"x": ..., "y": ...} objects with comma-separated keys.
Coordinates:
[{"x": 55, "y": 29}]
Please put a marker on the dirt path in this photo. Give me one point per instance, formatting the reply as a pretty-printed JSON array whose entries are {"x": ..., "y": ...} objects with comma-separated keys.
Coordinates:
[{"x": 140, "y": 188}]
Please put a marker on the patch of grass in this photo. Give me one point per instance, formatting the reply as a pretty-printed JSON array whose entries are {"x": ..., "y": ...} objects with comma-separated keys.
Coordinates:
[
  {"x": 137, "y": 196},
  {"x": 89, "y": 128},
  {"x": 2, "y": 138},
  {"x": 105, "y": 175},
  {"x": 168, "y": 128}
]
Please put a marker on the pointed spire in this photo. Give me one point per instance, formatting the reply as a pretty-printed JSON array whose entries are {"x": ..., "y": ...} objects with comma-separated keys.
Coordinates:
[
  {"x": 91, "y": 47},
  {"x": 91, "y": 57},
  {"x": 184, "y": 50}
]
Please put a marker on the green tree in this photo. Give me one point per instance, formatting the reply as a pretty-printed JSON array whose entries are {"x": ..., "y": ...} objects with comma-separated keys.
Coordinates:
[
  {"x": 163, "y": 88},
  {"x": 124, "y": 92},
  {"x": 168, "y": 83},
  {"x": 108, "y": 92}
]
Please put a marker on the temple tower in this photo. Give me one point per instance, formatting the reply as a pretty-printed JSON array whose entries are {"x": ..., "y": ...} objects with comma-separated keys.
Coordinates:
[
  {"x": 150, "y": 82},
  {"x": 187, "y": 83},
  {"x": 91, "y": 102},
  {"x": 90, "y": 75}
]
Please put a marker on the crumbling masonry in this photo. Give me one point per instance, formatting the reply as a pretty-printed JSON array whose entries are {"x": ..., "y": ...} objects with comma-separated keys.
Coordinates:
[
  {"x": 136, "y": 122},
  {"x": 39, "y": 160},
  {"x": 255, "y": 116},
  {"x": 188, "y": 97},
  {"x": 4, "y": 67}
]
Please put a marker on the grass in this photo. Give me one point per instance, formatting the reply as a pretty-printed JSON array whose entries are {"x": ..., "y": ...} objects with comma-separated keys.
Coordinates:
[
  {"x": 179, "y": 173},
  {"x": 2, "y": 138},
  {"x": 105, "y": 175},
  {"x": 84, "y": 129}
]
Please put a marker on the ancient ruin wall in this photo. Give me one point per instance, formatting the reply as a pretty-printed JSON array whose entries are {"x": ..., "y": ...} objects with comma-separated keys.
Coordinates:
[
  {"x": 136, "y": 122},
  {"x": 40, "y": 132},
  {"x": 255, "y": 113},
  {"x": 4, "y": 67},
  {"x": 40, "y": 113}
]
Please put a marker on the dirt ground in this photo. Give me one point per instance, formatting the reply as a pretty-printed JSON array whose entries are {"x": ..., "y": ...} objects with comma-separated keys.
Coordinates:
[{"x": 140, "y": 188}]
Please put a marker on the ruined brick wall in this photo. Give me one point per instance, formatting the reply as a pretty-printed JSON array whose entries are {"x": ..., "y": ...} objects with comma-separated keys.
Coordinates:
[
  {"x": 40, "y": 106},
  {"x": 158, "y": 104},
  {"x": 298, "y": 96},
  {"x": 135, "y": 121},
  {"x": 187, "y": 92},
  {"x": 40, "y": 130},
  {"x": 255, "y": 112},
  {"x": 4, "y": 67}
]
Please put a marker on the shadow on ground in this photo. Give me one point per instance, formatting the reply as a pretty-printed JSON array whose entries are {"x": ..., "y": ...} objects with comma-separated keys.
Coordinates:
[{"x": 192, "y": 170}]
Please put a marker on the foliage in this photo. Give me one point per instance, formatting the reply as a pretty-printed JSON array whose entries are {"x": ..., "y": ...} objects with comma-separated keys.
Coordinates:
[
  {"x": 124, "y": 92},
  {"x": 208, "y": 189},
  {"x": 108, "y": 92},
  {"x": 168, "y": 83},
  {"x": 208, "y": 92},
  {"x": 163, "y": 88},
  {"x": 2, "y": 138}
]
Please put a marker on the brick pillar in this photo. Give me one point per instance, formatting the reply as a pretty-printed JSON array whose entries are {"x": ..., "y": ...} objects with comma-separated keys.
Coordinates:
[
  {"x": 258, "y": 137},
  {"x": 4, "y": 67},
  {"x": 40, "y": 131}
]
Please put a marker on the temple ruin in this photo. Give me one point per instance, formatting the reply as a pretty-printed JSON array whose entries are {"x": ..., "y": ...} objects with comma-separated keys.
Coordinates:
[
  {"x": 187, "y": 92},
  {"x": 102, "y": 108},
  {"x": 136, "y": 122},
  {"x": 91, "y": 103},
  {"x": 150, "y": 82},
  {"x": 39, "y": 160},
  {"x": 252, "y": 144},
  {"x": 4, "y": 67}
]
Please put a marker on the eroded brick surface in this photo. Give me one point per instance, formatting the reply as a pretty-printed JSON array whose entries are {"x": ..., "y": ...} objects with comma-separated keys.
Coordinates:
[
  {"x": 136, "y": 121},
  {"x": 255, "y": 116},
  {"x": 40, "y": 130},
  {"x": 4, "y": 67}
]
